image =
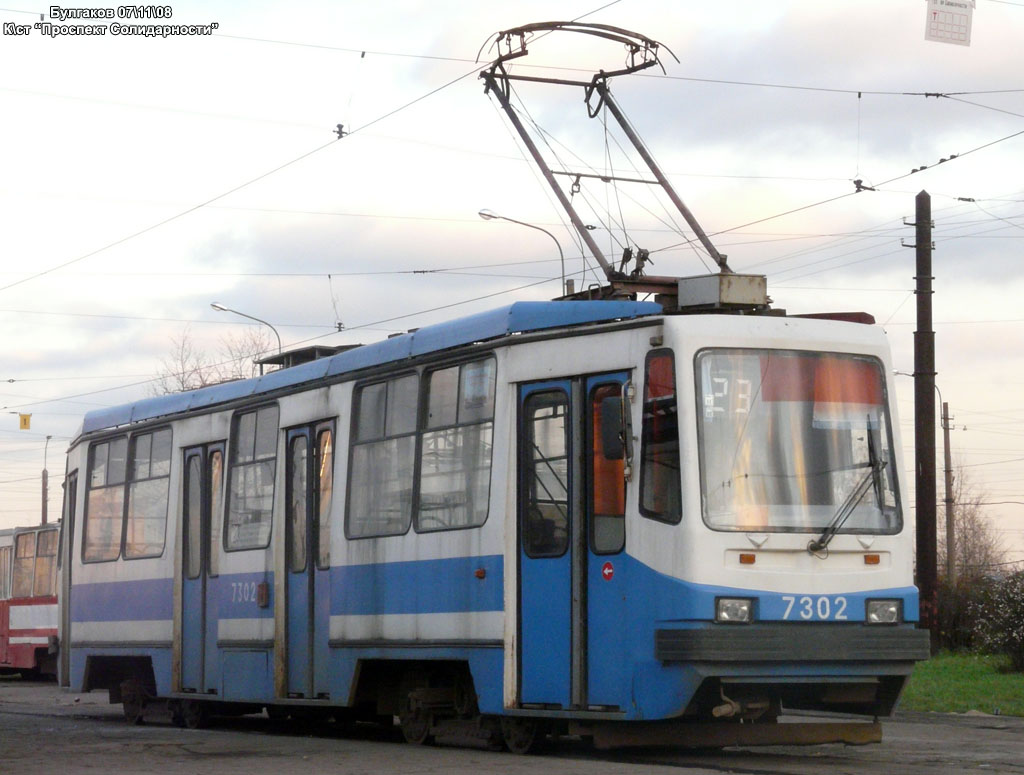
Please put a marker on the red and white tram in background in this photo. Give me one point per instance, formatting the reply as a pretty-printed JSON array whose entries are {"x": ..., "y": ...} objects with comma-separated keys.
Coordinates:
[{"x": 28, "y": 600}]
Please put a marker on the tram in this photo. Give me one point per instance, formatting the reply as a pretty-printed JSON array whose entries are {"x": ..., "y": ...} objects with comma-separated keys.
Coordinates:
[
  {"x": 644, "y": 522},
  {"x": 28, "y": 600},
  {"x": 588, "y": 516}
]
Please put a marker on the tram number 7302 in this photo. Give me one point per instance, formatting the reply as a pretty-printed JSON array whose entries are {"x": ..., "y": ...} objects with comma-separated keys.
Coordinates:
[
  {"x": 815, "y": 608},
  {"x": 243, "y": 592}
]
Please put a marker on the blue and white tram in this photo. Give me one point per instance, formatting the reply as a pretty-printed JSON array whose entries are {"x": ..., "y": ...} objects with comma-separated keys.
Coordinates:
[{"x": 557, "y": 516}]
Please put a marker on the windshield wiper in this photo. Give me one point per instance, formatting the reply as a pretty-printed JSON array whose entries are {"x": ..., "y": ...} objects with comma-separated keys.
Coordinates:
[{"x": 873, "y": 478}]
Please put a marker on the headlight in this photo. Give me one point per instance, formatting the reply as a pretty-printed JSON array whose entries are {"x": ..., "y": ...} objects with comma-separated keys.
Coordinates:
[
  {"x": 734, "y": 610},
  {"x": 884, "y": 612}
]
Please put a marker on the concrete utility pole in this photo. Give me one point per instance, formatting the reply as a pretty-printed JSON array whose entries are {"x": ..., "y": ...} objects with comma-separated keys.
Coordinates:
[
  {"x": 924, "y": 420},
  {"x": 46, "y": 481},
  {"x": 950, "y": 524}
]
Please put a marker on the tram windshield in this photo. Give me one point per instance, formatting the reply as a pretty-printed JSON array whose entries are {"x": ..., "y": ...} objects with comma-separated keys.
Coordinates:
[{"x": 788, "y": 440}]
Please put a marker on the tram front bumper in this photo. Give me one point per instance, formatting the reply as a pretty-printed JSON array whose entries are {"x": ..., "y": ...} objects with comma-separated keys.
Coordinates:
[
  {"x": 792, "y": 643},
  {"x": 850, "y": 668}
]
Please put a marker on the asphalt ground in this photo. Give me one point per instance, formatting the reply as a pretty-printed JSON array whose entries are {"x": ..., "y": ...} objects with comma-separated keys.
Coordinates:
[{"x": 47, "y": 731}]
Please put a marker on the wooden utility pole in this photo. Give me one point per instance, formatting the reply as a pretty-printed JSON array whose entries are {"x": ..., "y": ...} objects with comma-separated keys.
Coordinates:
[{"x": 924, "y": 420}]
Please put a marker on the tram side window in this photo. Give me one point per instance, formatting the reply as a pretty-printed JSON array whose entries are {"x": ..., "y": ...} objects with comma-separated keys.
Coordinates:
[
  {"x": 455, "y": 453},
  {"x": 5, "y": 572},
  {"x": 216, "y": 465},
  {"x": 325, "y": 490},
  {"x": 193, "y": 503},
  {"x": 383, "y": 457},
  {"x": 128, "y": 492},
  {"x": 105, "y": 502},
  {"x": 660, "y": 488},
  {"x": 45, "y": 582},
  {"x": 296, "y": 498},
  {"x": 148, "y": 489},
  {"x": 546, "y": 475},
  {"x": 253, "y": 464},
  {"x": 24, "y": 564},
  {"x": 607, "y": 479}
]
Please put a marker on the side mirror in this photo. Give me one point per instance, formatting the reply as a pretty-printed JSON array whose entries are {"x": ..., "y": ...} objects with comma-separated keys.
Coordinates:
[{"x": 612, "y": 428}]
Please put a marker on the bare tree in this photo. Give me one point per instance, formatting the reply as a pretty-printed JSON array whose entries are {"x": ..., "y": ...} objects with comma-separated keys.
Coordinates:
[
  {"x": 184, "y": 367},
  {"x": 240, "y": 352},
  {"x": 187, "y": 367},
  {"x": 978, "y": 545}
]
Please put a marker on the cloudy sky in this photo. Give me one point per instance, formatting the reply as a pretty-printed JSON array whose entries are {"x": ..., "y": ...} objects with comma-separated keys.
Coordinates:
[{"x": 144, "y": 178}]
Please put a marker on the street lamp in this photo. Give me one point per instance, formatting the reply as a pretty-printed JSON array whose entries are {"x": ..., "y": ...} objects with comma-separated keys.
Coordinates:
[
  {"x": 949, "y": 500},
  {"x": 221, "y": 308},
  {"x": 490, "y": 215}
]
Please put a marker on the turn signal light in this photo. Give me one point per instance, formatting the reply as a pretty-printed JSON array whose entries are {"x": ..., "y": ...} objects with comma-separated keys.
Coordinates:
[
  {"x": 872, "y": 559},
  {"x": 748, "y": 559}
]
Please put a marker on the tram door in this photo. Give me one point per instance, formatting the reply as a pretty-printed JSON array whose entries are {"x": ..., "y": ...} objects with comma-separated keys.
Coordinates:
[
  {"x": 67, "y": 555},
  {"x": 310, "y": 485},
  {"x": 571, "y": 489},
  {"x": 202, "y": 501}
]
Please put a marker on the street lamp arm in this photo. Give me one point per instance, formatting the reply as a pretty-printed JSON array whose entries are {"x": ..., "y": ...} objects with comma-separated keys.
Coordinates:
[
  {"x": 221, "y": 308},
  {"x": 899, "y": 373},
  {"x": 489, "y": 215},
  {"x": 538, "y": 228}
]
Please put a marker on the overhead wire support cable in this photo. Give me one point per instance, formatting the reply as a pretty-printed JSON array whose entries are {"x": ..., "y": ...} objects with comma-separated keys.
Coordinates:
[
  {"x": 670, "y": 224},
  {"x": 859, "y": 190},
  {"x": 573, "y": 232},
  {"x": 601, "y": 86},
  {"x": 979, "y": 105},
  {"x": 613, "y": 181},
  {"x": 163, "y": 222},
  {"x": 233, "y": 190},
  {"x": 367, "y": 326},
  {"x": 826, "y": 89},
  {"x": 500, "y": 87}
]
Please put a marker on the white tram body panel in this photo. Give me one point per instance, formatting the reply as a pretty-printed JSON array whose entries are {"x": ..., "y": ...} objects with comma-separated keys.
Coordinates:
[{"x": 692, "y": 552}]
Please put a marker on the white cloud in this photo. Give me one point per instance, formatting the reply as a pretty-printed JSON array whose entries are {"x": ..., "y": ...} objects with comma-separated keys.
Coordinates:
[{"x": 104, "y": 138}]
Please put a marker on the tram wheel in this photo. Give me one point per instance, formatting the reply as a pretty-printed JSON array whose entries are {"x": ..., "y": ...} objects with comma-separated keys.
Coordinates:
[
  {"x": 464, "y": 695},
  {"x": 415, "y": 725},
  {"x": 193, "y": 714},
  {"x": 177, "y": 714},
  {"x": 414, "y": 720},
  {"x": 133, "y": 701},
  {"x": 521, "y": 734}
]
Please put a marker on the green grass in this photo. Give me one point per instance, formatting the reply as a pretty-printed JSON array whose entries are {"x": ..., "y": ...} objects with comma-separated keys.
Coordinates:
[{"x": 957, "y": 683}]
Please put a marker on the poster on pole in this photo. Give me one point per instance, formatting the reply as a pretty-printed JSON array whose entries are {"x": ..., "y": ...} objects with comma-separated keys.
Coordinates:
[{"x": 949, "y": 21}]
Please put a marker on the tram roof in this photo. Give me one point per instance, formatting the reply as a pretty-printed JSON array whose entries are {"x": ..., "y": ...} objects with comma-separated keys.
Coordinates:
[{"x": 519, "y": 317}]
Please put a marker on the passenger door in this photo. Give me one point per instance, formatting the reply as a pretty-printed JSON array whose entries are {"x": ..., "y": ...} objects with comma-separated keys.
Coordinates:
[
  {"x": 571, "y": 530},
  {"x": 201, "y": 511},
  {"x": 310, "y": 485}
]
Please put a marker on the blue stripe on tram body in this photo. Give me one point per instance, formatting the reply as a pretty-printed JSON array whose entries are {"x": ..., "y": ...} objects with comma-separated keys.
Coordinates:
[
  {"x": 419, "y": 587},
  {"x": 123, "y": 601}
]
